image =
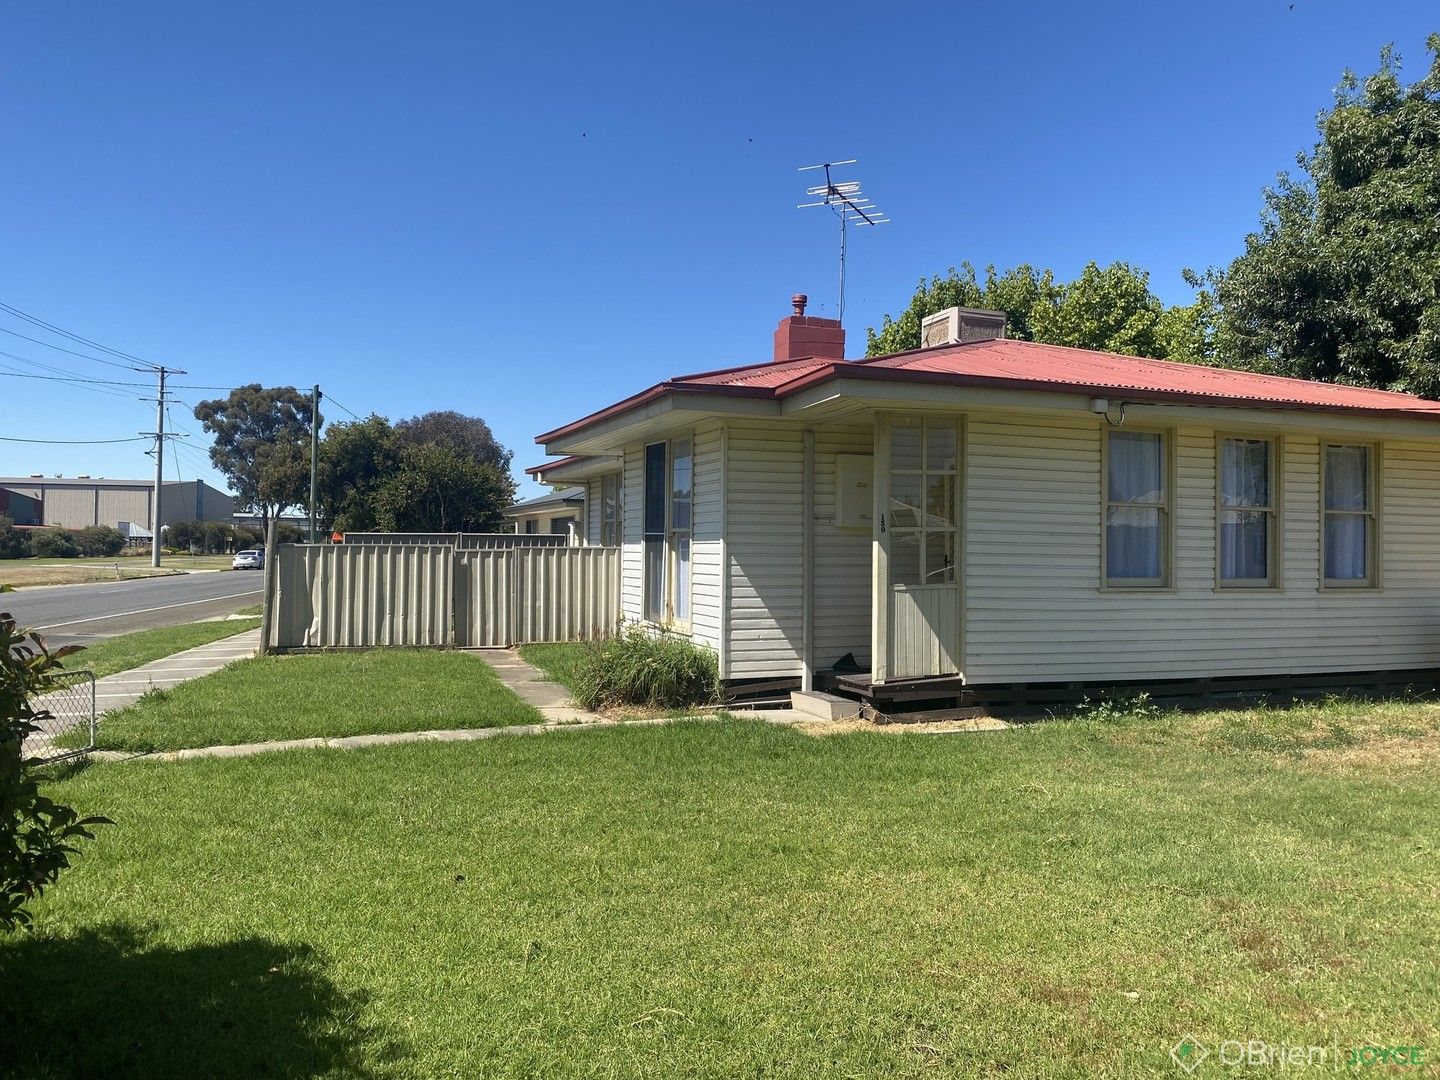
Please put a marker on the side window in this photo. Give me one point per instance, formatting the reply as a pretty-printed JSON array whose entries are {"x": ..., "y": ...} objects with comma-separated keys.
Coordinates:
[
  {"x": 1348, "y": 540},
  {"x": 1137, "y": 509},
  {"x": 1248, "y": 529},
  {"x": 610, "y": 510},
  {"x": 655, "y": 461}
]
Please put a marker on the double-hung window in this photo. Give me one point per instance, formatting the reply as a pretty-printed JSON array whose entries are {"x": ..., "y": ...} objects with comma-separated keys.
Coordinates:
[
  {"x": 1137, "y": 509},
  {"x": 682, "y": 484},
  {"x": 1348, "y": 540},
  {"x": 1247, "y": 512},
  {"x": 610, "y": 510},
  {"x": 669, "y": 487}
]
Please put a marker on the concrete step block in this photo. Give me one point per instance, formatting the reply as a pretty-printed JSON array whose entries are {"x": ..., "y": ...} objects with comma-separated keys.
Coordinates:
[{"x": 823, "y": 706}]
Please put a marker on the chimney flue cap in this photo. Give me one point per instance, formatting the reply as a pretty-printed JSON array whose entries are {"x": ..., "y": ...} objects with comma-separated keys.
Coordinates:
[{"x": 799, "y": 300}]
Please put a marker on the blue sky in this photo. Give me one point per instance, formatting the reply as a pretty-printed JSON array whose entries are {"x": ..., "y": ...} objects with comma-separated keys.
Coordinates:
[{"x": 525, "y": 212}]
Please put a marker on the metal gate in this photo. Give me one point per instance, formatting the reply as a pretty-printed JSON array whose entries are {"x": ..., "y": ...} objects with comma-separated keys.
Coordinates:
[{"x": 67, "y": 711}]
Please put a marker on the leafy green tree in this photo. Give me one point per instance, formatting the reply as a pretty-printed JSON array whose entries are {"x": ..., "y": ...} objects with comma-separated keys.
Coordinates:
[
  {"x": 100, "y": 541},
  {"x": 54, "y": 543},
  {"x": 1017, "y": 292},
  {"x": 1342, "y": 280},
  {"x": 468, "y": 435},
  {"x": 1107, "y": 308},
  {"x": 440, "y": 489},
  {"x": 183, "y": 535},
  {"x": 355, "y": 460},
  {"x": 262, "y": 445},
  {"x": 14, "y": 543},
  {"x": 36, "y": 833}
]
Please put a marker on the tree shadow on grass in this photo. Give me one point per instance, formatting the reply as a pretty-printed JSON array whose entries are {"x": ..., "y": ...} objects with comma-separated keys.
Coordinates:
[{"x": 114, "y": 1001}]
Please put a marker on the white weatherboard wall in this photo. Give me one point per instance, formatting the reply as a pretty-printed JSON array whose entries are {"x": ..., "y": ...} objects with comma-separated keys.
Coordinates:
[
  {"x": 706, "y": 543},
  {"x": 765, "y": 510},
  {"x": 1034, "y": 609}
]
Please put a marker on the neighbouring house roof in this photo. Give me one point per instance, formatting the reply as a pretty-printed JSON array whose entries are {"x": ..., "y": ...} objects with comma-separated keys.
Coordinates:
[
  {"x": 556, "y": 500},
  {"x": 92, "y": 481},
  {"x": 1007, "y": 364}
]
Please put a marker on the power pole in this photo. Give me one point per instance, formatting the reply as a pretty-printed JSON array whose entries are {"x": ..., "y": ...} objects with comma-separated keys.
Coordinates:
[
  {"x": 159, "y": 462},
  {"x": 314, "y": 453}
]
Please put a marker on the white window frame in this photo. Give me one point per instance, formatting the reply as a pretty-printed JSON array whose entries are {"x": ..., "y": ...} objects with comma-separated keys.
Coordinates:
[
  {"x": 1374, "y": 495},
  {"x": 1274, "y": 547},
  {"x": 609, "y": 516},
  {"x": 1166, "y": 507},
  {"x": 668, "y": 619}
]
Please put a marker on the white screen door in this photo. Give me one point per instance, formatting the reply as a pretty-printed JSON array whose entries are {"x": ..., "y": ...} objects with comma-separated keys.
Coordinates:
[{"x": 922, "y": 528}]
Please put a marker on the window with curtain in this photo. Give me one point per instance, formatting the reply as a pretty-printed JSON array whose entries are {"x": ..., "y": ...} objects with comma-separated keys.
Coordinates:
[
  {"x": 682, "y": 478},
  {"x": 655, "y": 491},
  {"x": 1137, "y": 508},
  {"x": 1348, "y": 537},
  {"x": 610, "y": 510},
  {"x": 1247, "y": 515}
]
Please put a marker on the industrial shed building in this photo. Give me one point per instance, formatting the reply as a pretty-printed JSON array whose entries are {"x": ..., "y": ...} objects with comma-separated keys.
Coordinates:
[{"x": 75, "y": 502}]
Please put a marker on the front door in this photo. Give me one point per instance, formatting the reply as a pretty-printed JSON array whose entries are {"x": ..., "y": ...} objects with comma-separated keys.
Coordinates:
[{"x": 918, "y": 544}]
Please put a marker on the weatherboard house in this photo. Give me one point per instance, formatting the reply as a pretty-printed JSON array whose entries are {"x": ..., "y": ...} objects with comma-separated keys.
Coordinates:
[{"x": 984, "y": 512}]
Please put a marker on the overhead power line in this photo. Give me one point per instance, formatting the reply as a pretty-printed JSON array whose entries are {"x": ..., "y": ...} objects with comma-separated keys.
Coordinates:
[
  {"x": 146, "y": 365},
  {"x": 75, "y": 442},
  {"x": 331, "y": 398},
  {"x": 57, "y": 348}
]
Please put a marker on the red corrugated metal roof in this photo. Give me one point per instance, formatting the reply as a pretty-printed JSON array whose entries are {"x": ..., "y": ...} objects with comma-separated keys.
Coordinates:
[
  {"x": 1026, "y": 365},
  {"x": 1051, "y": 366}
]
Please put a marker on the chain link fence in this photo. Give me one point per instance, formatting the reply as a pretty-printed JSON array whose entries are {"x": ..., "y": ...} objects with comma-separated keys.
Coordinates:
[{"x": 67, "y": 721}]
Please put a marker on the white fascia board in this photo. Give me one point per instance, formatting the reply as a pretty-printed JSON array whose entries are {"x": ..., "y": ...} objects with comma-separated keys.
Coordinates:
[
  {"x": 674, "y": 409},
  {"x": 580, "y": 471}
]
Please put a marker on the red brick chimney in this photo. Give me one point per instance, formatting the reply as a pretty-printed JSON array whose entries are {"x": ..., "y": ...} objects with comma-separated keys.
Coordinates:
[{"x": 804, "y": 335}]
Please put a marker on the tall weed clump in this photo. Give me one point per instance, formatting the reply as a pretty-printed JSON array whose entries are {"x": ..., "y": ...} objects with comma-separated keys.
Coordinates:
[{"x": 641, "y": 670}]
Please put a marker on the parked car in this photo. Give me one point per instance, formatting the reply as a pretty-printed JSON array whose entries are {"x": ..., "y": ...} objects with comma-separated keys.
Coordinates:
[{"x": 248, "y": 560}]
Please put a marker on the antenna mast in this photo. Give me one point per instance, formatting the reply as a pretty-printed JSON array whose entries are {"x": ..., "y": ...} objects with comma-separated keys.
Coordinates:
[{"x": 849, "y": 204}]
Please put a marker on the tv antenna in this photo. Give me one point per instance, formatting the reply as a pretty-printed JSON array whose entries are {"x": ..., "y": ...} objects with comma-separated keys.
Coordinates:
[{"x": 849, "y": 204}]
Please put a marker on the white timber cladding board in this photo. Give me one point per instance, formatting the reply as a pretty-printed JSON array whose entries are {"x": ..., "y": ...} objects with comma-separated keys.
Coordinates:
[
  {"x": 1035, "y": 609},
  {"x": 706, "y": 544},
  {"x": 1034, "y": 606},
  {"x": 763, "y": 514},
  {"x": 706, "y": 616}
]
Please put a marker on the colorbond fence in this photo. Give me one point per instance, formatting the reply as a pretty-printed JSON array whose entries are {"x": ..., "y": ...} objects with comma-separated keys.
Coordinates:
[
  {"x": 364, "y": 595},
  {"x": 465, "y": 541}
]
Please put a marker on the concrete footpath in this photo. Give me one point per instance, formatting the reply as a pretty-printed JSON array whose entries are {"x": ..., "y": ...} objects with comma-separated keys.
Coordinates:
[
  {"x": 124, "y": 688},
  {"x": 533, "y": 686}
]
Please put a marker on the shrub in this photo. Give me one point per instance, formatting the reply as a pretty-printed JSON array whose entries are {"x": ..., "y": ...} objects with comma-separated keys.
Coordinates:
[
  {"x": 35, "y": 831},
  {"x": 285, "y": 533},
  {"x": 100, "y": 540},
  {"x": 54, "y": 543},
  {"x": 651, "y": 671},
  {"x": 246, "y": 538},
  {"x": 14, "y": 544},
  {"x": 182, "y": 534}
]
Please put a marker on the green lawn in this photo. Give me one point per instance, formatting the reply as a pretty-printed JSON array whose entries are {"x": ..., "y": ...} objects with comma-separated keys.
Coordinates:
[
  {"x": 126, "y": 651},
  {"x": 558, "y": 661},
  {"x": 253, "y": 609},
  {"x": 319, "y": 695},
  {"x": 730, "y": 899}
]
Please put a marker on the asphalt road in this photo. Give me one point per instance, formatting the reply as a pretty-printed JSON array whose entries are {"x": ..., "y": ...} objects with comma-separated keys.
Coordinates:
[{"x": 77, "y": 613}]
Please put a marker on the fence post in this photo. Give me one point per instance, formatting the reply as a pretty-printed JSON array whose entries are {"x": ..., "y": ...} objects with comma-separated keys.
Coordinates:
[
  {"x": 267, "y": 617},
  {"x": 513, "y": 622}
]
